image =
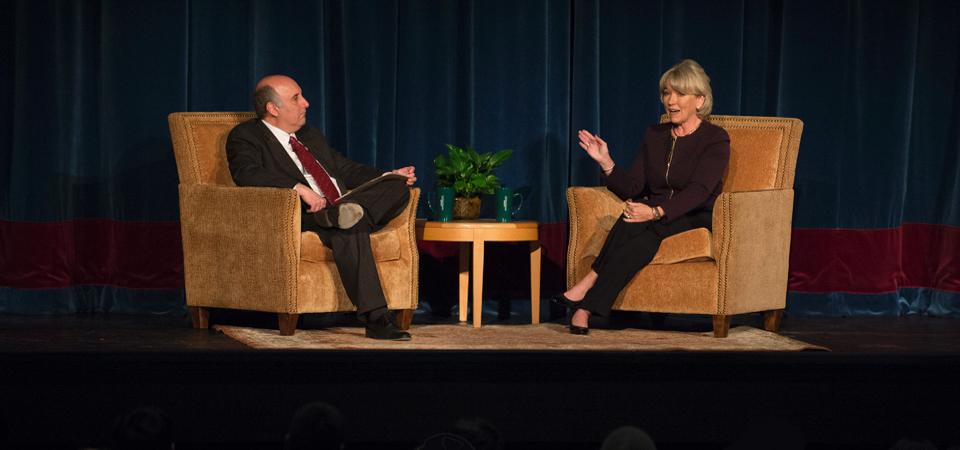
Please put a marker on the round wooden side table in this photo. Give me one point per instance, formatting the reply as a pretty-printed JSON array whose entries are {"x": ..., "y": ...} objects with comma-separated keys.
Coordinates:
[{"x": 472, "y": 235}]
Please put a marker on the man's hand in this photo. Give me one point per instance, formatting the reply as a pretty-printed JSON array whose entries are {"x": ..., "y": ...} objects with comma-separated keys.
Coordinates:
[
  {"x": 407, "y": 172},
  {"x": 311, "y": 198}
]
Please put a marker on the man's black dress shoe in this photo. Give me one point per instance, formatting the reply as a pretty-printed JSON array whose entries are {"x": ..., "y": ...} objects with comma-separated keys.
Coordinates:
[{"x": 383, "y": 328}]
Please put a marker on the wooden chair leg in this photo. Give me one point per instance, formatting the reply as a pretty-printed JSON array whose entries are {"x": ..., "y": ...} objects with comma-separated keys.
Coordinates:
[
  {"x": 403, "y": 318},
  {"x": 288, "y": 323},
  {"x": 200, "y": 317},
  {"x": 771, "y": 320},
  {"x": 721, "y": 325}
]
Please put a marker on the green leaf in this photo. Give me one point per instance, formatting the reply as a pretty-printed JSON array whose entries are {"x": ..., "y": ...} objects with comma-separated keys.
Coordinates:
[
  {"x": 478, "y": 181},
  {"x": 499, "y": 157},
  {"x": 493, "y": 182},
  {"x": 468, "y": 171},
  {"x": 475, "y": 158},
  {"x": 456, "y": 153},
  {"x": 440, "y": 163},
  {"x": 458, "y": 165}
]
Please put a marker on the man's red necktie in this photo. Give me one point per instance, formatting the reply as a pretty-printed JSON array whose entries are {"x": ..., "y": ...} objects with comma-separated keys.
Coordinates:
[{"x": 315, "y": 170}]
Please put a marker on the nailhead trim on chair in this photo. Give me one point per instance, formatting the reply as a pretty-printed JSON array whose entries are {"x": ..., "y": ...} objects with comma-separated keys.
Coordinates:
[
  {"x": 414, "y": 252},
  {"x": 727, "y": 236},
  {"x": 575, "y": 238},
  {"x": 292, "y": 208}
]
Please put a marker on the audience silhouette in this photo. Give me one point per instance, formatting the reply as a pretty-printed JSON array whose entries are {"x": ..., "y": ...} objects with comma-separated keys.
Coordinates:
[
  {"x": 143, "y": 428},
  {"x": 320, "y": 426},
  {"x": 481, "y": 434},
  {"x": 446, "y": 441},
  {"x": 466, "y": 434},
  {"x": 315, "y": 426},
  {"x": 628, "y": 438}
]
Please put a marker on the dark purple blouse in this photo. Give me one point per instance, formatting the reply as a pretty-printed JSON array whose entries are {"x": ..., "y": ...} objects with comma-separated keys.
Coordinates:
[{"x": 695, "y": 178}]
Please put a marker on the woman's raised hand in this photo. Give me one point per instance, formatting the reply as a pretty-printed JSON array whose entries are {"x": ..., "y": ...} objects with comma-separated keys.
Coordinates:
[{"x": 596, "y": 148}]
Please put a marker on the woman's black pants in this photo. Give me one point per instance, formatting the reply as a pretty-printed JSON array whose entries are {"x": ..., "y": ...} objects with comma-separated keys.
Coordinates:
[{"x": 630, "y": 247}]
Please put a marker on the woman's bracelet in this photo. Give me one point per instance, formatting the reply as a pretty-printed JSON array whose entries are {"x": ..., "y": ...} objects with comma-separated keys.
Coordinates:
[
  {"x": 656, "y": 213},
  {"x": 607, "y": 171}
]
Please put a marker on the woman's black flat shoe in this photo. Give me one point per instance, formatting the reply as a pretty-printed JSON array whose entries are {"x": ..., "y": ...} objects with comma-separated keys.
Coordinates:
[
  {"x": 580, "y": 331},
  {"x": 562, "y": 300}
]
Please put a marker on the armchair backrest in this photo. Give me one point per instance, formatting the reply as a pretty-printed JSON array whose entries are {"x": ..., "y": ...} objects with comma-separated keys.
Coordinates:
[
  {"x": 763, "y": 152},
  {"x": 199, "y": 145}
]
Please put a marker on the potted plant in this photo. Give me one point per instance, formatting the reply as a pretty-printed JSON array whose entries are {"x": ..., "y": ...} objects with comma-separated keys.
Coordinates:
[{"x": 470, "y": 174}]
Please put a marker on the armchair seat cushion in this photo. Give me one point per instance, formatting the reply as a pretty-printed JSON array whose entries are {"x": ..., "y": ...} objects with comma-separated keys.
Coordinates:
[
  {"x": 690, "y": 246},
  {"x": 385, "y": 243}
]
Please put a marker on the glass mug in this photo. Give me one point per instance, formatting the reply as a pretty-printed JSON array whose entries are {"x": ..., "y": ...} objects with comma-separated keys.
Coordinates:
[
  {"x": 440, "y": 203},
  {"x": 505, "y": 204}
]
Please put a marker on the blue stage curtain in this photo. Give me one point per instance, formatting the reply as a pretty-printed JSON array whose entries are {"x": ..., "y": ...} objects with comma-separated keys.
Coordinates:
[{"x": 85, "y": 154}]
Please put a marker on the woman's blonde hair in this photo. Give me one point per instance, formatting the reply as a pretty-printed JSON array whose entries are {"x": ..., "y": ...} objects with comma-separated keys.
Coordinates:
[{"x": 687, "y": 77}]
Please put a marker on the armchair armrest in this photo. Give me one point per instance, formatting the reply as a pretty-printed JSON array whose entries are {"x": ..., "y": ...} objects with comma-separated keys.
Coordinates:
[
  {"x": 406, "y": 226},
  {"x": 241, "y": 246},
  {"x": 593, "y": 211},
  {"x": 751, "y": 232},
  {"x": 407, "y": 218}
]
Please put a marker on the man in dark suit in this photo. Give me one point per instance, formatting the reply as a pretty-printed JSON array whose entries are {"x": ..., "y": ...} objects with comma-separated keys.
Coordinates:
[{"x": 278, "y": 149}]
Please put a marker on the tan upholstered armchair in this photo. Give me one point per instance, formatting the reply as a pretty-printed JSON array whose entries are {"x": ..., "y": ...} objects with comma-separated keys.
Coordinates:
[
  {"x": 740, "y": 267},
  {"x": 243, "y": 248}
]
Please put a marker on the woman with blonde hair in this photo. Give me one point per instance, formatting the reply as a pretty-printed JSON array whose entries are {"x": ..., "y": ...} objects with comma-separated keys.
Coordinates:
[{"x": 675, "y": 178}]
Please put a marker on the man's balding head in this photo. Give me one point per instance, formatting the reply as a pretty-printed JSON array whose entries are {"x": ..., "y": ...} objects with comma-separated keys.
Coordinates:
[
  {"x": 265, "y": 92},
  {"x": 277, "y": 99}
]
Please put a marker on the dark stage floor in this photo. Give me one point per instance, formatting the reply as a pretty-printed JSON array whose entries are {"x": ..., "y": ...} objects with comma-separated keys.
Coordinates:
[{"x": 63, "y": 379}]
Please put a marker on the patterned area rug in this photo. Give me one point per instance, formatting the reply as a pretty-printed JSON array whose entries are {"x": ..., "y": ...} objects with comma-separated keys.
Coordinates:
[{"x": 544, "y": 337}]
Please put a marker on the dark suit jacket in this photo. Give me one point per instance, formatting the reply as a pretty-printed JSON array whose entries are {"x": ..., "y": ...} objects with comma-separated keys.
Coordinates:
[{"x": 257, "y": 159}]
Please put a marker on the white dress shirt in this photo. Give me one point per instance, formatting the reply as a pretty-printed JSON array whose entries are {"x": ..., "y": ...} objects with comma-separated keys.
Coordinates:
[{"x": 284, "y": 139}]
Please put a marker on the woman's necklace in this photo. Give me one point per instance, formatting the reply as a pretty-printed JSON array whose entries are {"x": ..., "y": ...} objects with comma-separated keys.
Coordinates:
[
  {"x": 673, "y": 145},
  {"x": 688, "y": 133},
  {"x": 674, "y": 134}
]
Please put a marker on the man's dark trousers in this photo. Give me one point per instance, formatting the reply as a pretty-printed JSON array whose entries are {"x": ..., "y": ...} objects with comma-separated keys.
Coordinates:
[{"x": 352, "y": 252}]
